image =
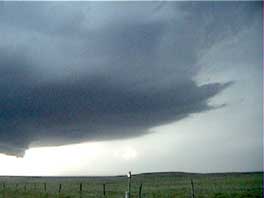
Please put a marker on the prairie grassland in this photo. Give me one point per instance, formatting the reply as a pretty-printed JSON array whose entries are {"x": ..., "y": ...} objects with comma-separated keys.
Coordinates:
[{"x": 155, "y": 185}]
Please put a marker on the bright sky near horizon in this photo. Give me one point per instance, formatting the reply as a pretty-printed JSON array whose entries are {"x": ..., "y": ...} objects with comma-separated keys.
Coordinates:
[{"x": 101, "y": 88}]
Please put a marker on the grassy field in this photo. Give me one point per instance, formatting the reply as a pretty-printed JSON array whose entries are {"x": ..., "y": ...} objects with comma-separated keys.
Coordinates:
[{"x": 167, "y": 185}]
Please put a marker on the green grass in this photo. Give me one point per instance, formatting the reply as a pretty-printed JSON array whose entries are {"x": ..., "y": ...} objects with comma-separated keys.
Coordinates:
[{"x": 155, "y": 185}]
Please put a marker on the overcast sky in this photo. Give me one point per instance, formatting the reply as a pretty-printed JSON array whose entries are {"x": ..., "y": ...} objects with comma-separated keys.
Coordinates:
[{"x": 100, "y": 88}]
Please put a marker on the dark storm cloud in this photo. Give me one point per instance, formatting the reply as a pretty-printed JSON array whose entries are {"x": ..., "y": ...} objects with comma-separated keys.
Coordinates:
[{"x": 100, "y": 71}]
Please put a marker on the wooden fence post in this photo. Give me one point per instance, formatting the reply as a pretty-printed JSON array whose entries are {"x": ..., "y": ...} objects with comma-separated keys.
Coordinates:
[
  {"x": 140, "y": 190},
  {"x": 81, "y": 190},
  {"x": 80, "y": 187},
  {"x": 193, "y": 195},
  {"x": 45, "y": 187},
  {"x": 129, "y": 183},
  {"x": 25, "y": 187},
  {"x": 59, "y": 188},
  {"x": 104, "y": 189},
  {"x": 4, "y": 186}
]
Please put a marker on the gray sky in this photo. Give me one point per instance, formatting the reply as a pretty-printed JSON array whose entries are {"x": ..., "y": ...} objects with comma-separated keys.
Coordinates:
[{"x": 141, "y": 86}]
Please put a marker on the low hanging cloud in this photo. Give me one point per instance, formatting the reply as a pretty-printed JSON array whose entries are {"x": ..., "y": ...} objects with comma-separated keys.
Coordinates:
[{"x": 74, "y": 72}]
